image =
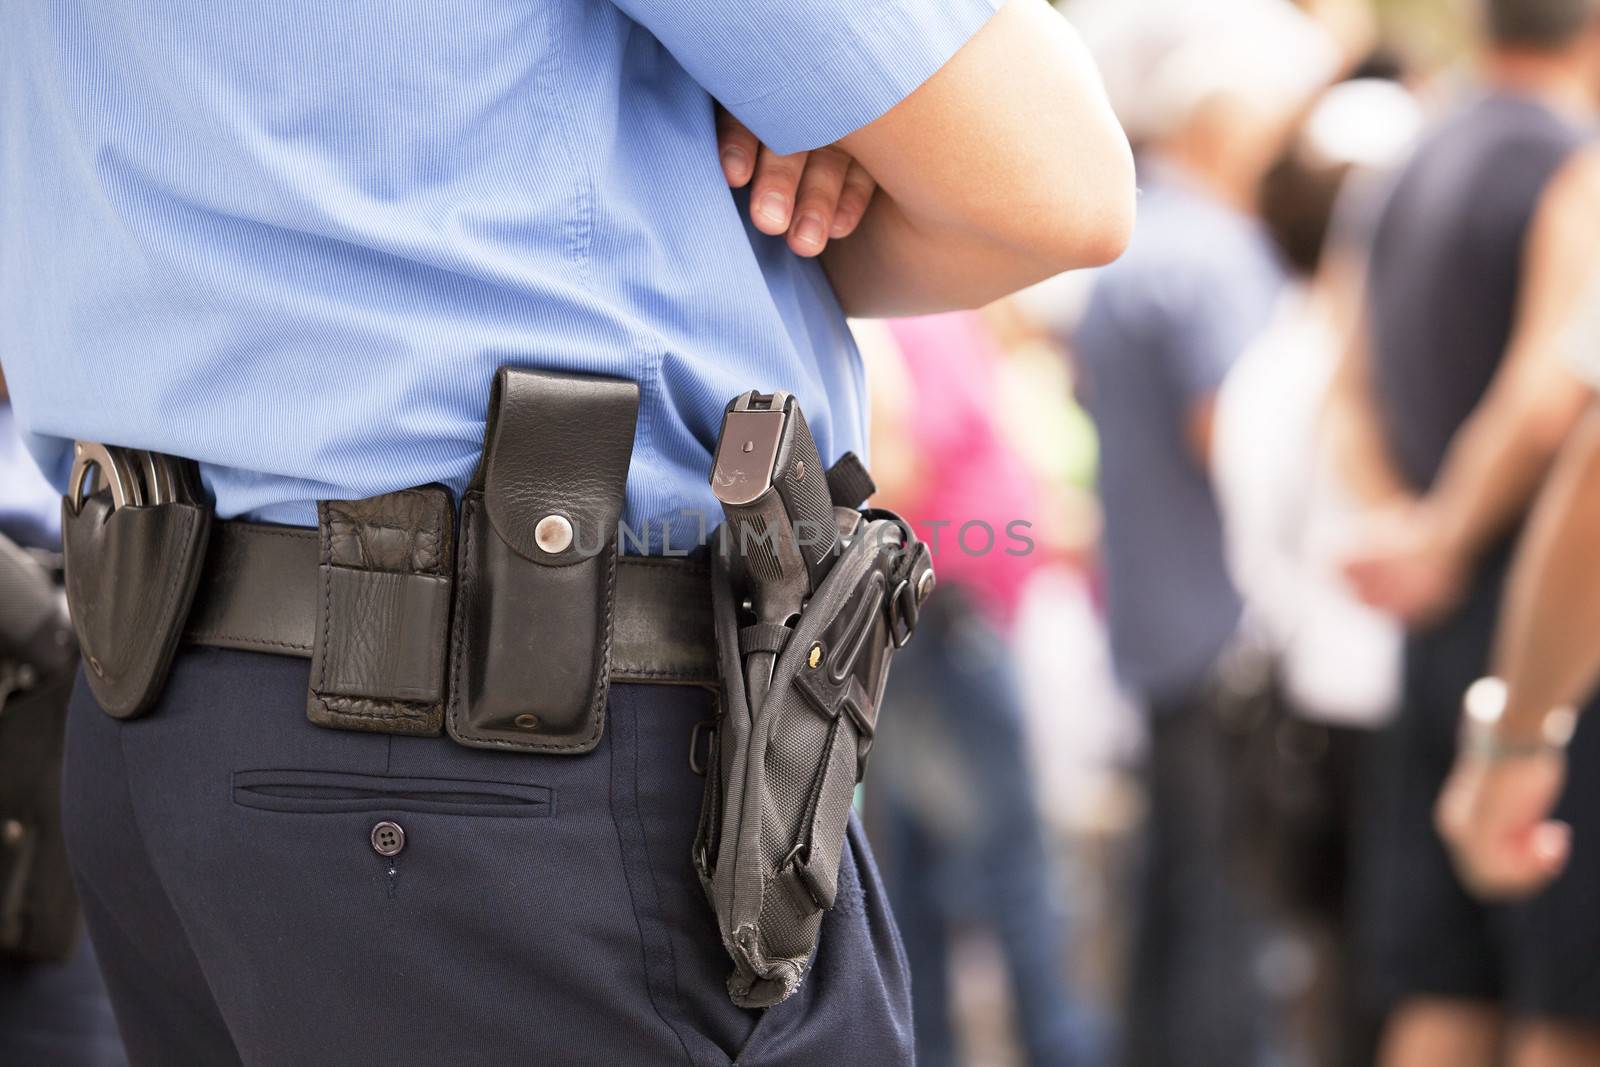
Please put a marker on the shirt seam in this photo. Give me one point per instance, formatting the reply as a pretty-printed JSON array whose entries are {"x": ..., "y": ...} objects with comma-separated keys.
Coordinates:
[{"x": 580, "y": 228}]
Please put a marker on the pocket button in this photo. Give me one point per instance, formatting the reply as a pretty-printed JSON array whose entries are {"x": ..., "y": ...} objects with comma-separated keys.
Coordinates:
[{"x": 388, "y": 838}]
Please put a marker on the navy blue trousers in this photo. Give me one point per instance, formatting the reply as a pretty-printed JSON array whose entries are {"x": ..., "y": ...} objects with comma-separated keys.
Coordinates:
[{"x": 542, "y": 909}]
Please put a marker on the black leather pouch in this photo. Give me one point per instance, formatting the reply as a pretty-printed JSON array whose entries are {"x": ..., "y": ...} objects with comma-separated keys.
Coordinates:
[
  {"x": 378, "y": 662},
  {"x": 536, "y": 571},
  {"x": 131, "y": 576}
]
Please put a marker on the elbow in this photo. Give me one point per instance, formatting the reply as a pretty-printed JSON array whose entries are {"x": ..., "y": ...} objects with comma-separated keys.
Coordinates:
[
  {"x": 1547, "y": 406},
  {"x": 1091, "y": 225},
  {"x": 1113, "y": 207},
  {"x": 1107, "y": 237}
]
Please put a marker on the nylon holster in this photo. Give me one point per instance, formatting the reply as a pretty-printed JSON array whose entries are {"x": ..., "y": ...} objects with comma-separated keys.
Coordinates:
[{"x": 781, "y": 782}]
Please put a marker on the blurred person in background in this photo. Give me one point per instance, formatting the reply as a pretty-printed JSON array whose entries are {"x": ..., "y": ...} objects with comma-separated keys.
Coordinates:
[
  {"x": 1210, "y": 94},
  {"x": 954, "y": 811},
  {"x": 1301, "y": 763},
  {"x": 1455, "y": 402},
  {"x": 55, "y": 1012}
]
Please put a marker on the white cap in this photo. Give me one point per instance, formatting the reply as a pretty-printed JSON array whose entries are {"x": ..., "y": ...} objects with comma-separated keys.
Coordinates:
[
  {"x": 1163, "y": 59},
  {"x": 1369, "y": 122}
]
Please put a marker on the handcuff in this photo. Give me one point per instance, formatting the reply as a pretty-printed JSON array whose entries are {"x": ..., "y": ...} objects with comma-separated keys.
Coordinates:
[
  {"x": 136, "y": 477},
  {"x": 1484, "y": 706}
]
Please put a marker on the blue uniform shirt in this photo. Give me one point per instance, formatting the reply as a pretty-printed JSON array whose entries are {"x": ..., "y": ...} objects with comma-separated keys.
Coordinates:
[
  {"x": 1164, "y": 324},
  {"x": 30, "y": 510},
  {"x": 294, "y": 240}
]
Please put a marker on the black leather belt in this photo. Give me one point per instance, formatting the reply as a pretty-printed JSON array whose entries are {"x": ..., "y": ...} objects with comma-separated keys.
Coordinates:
[{"x": 259, "y": 593}]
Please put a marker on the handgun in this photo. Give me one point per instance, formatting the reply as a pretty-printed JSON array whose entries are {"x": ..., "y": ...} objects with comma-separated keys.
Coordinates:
[{"x": 778, "y": 511}]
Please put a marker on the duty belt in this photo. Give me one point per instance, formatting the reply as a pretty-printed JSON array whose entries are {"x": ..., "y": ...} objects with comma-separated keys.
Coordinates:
[
  {"x": 502, "y": 624},
  {"x": 258, "y": 593}
]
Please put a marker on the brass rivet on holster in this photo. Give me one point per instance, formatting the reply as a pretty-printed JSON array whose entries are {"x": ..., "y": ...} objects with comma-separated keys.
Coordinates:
[
  {"x": 553, "y": 534},
  {"x": 527, "y": 722},
  {"x": 814, "y": 657}
]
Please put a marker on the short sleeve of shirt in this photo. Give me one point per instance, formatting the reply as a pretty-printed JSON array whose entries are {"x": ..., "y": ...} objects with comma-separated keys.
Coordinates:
[{"x": 804, "y": 73}]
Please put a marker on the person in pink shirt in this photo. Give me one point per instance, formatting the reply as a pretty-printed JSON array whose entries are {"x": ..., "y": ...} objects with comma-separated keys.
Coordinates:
[
  {"x": 952, "y": 803},
  {"x": 968, "y": 492}
]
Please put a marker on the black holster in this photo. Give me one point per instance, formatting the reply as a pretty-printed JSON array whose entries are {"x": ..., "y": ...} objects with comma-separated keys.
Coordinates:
[{"x": 781, "y": 782}]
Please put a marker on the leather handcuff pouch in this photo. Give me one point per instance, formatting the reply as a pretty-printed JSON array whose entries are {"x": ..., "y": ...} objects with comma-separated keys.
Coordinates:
[
  {"x": 134, "y": 546},
  {"x": 536, "y": 570}
]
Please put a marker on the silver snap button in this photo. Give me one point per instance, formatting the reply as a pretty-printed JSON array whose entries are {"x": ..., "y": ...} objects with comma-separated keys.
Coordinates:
[
  {"x": 553, "y": 534},
  {"x": 388, "y": 839}
]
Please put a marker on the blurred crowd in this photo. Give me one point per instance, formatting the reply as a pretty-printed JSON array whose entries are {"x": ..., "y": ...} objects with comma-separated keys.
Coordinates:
[
  {"x": 1161, "y": 790},
  {"x": 1222, "y": 531}
]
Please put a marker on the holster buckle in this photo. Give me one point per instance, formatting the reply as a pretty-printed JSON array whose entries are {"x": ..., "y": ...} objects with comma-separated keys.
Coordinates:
[{"x": 916, "y": 581}]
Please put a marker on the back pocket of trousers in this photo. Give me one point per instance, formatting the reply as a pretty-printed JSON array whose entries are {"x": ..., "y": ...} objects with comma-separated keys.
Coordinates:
[{"x": 332, "y": 791}]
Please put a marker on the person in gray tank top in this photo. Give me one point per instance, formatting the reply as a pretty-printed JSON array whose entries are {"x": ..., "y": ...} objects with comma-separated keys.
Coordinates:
[{"x": 1453, "y": 403}]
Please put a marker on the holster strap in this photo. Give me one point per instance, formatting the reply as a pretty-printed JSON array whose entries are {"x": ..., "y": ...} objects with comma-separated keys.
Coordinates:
[{"x": 259, "y": 593}]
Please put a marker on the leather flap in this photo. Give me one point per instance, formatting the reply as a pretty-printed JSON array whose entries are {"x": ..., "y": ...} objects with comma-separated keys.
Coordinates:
[
  {"x": 557, "y": 445},
  {"x": 131, "y": 576}
]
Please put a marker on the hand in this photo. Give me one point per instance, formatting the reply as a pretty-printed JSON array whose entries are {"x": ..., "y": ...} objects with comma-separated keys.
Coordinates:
[
  {"x": 1495, "y": 819},
  {"x": 1402, "y": 565},
  {"x": 814, "y": 197}
]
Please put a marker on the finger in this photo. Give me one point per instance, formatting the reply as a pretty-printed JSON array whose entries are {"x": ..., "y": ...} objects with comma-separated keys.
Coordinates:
[
  {"x": 773, "y": 192},
  {"x": 737, "y": 147},
  {"x": 817, "y": 200},
  {"x": 853, "y": 201},
  {"x": 1552, "y": 846},
  {"x": 1450, "y": 810},
  {"x": 1513, "y": 870}
]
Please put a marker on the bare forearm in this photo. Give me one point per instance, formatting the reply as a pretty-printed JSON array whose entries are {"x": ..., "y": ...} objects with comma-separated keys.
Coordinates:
[
  {"x": 1499, "y": 459},
  {"x": 1003, "y": 169},
  {"x": 1364, "y": 461},
  {"x": 891, "y": 266},
  {"x": 1365, "y": 464},
  {"x": 1546, "y": 649}
]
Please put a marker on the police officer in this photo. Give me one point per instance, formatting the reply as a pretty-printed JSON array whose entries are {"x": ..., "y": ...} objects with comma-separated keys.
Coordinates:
[{"x": 293, "y": 242}]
